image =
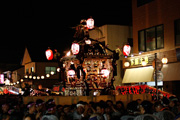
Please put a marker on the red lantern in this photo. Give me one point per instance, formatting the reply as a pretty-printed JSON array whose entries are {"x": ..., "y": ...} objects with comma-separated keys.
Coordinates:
[
  {"x": 90, "y": 23},
  {"x": 49, "y": 54},
  {"x": 126, "y": 50},
  {"x": 75, "y": 48}
]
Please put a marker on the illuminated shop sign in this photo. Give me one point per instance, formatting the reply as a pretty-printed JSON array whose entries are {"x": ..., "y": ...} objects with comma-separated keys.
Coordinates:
[{"x": 139, "y": 60}]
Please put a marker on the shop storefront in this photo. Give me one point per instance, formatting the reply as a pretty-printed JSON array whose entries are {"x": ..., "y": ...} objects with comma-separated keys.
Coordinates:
[{"x": 139, "y": 69}]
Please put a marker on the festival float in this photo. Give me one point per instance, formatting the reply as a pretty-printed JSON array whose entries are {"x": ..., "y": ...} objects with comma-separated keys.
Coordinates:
[{"x": 89, "y": 67}]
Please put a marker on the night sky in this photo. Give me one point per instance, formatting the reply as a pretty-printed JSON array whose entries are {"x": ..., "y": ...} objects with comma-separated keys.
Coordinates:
[{"x": 49, "y": 23}]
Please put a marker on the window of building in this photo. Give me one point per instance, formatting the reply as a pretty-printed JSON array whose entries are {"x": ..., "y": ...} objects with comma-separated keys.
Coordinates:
[
  {"x": 48, "y": 70},
  {"x": 27, "y": 71},
  {"x": 32, "y": 69},
  {"x": 143, "y": 2},
  {"x": 177, "y": 32},
  {"x": 151, "y": 38}
]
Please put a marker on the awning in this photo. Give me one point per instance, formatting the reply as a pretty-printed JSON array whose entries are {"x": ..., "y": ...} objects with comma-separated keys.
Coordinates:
[
  {"x": 135, "y": 75},
  {"x": 171, "y": 72}
]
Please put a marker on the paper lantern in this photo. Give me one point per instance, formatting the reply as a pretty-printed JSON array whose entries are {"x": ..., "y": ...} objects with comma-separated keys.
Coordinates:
[
  {"x": 75, "y": 48},
  {"x": 105, "y": 73},
  {"x": 126, "y": 64},
  {"x": 49, "y": 54},
  {"x": 71, "y": 73},
  {"x": 126, "y": 50},
  {"x": 90, "y": 23}
]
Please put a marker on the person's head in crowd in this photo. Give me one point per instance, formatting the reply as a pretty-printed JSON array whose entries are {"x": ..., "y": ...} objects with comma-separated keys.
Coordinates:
[
  {"x": 50, "y": 101},
  {"x": 66, "y": 109},
  {"x": 86, "y": 105},
  {"x": 120, "y": 105},
  {"x": 107, "y": 109},
  {"x": 109, "y": 102},
  {"x": 51, "y": 109},
  {"x": 173, "y": 101},
  {"x": 96, "y": 116},
  {"x": 92, "y": 105},
  {"x": 139, "y": 101},
  {"x": 5, "y": 108},
  {"x": 150, "y": 118},
  {"x": 80, "y": 108},
  {"x": 31, "y": 107},
  {"x": 11, "y": 110},
  {"x": 165, "y": 101},
  {"x": 146, "y": 107},
  {"x": 161, "y": 96},
  {"x": 100, "y": 108},
  {"x": 72, "y": 108},
  {"x": 132, "y": 108},
  {"x": 59, "y": 108},
  {"x": 102, "y": 102},
  {"x": 5, "y": 117},
  {"x": 158, "y": 106},
  {"x": 39, "y": 104}
]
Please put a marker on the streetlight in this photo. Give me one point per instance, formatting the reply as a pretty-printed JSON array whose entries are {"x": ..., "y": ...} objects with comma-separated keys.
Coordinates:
[{"x": 164, "y": 60}]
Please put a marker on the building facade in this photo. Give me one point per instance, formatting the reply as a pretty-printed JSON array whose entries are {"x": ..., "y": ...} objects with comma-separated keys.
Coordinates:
[
  {"x": 156, "y": 30},
  {"x": 38, "y": 70}
]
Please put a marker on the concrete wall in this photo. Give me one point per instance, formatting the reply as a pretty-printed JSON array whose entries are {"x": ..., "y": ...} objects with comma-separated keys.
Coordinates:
[{"x": 69, "y": 100}]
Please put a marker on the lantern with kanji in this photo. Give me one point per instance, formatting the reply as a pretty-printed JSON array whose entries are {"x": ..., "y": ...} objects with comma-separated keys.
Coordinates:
[
  {"x": 49, "y": 54},
  {"x": 126, "y": 50},
  {"x": 90, "y": 23},
  {"x": 75, "y": 48}
]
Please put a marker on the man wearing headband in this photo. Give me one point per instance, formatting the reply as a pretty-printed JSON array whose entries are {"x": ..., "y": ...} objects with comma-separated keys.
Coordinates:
[
  {"x": 30, "y": 111},
  {"x": 50, "y": 113},
  {"x": 40, "y": 108},
  {"x": 78, "y": 113}
]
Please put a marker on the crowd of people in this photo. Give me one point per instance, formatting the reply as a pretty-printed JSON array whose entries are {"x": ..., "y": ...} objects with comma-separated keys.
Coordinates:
[{"x": 164, "y": 109}]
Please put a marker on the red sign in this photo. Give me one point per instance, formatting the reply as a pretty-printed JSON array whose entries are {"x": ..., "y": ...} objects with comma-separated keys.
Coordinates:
[
  {"x": 140, "y": 89},
  {"x": 75, "y": 48},
  {"x": 49, "y": 54},
  {"x": 126, "y": 50},
  {"x": 90, "y": 23}
]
